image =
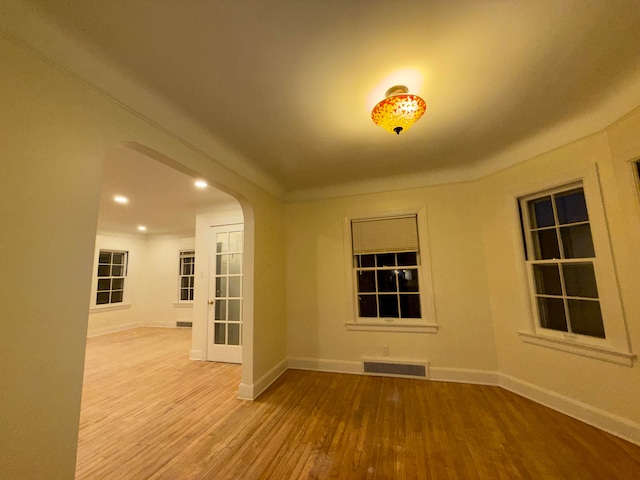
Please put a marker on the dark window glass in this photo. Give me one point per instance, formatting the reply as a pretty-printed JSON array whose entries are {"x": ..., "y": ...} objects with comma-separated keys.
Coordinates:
[
  {"x": 219, "y": 334},
  {"x": 118, "y": 258},
  {"x": 542, "y": 213},
  {"x": 368, "y": 306},
  {"x": 410, "y": 306},
  {"x": 367, "y": 281},
  {"x": 102, "y": 298},
  {"x": 117, "y": 271},
  {"x": 105, "y": 257},
  {"x": 221, "y": 310},
  {"x": 407, "y": 259},
  {"x": 221, "y": 286},
  {"x": 408, "y": 280},
  {"x": 586, "y": 318},
  {"x": 104, "y": 270},
  {"x": 116, "y": 296},
  {"x": 367, "y": 261},
  {"x": 386, "y": 281},
  {"x": 552, "y": 313},
  {"x": 388, "y": 306},
  {"x": 117, "y": 284},
  {"x": 547, "y": 279},
  {"x": 386, "y": 259},
  {"x": 577, "y": 242},
  {"x": 234, "y": 334},
  {"x": 184, "y": 282},
  {"x": 104, "y": 284},
  {"x": 571, "y": 207},
  {"x": 184, "y": 295},
  {"x": 546, "y": 244},
  {"x": 580, "y": 280}
]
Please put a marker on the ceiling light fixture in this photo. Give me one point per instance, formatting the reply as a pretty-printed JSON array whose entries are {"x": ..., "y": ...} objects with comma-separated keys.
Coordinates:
[
  {"x": 399, "y": 110},
  {"x": 142, "y": 228},
  {"x": 120, "y": 199},
  {"x": 200, "y": 184}
]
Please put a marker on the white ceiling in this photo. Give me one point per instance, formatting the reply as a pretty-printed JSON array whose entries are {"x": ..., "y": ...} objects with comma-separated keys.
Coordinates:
[{"x": 289, "y": 85}]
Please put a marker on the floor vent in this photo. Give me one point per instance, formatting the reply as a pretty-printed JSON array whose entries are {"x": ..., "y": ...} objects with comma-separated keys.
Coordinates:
[
  {"x": 184, "y": 324},
  {"x": 414, "y": 370}
]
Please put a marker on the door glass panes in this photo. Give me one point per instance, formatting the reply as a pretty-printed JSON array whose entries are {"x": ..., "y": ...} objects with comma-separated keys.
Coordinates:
[
  {"x": 383, "y": 284},
  {"x": 559, "y": 236},
  {"x": 228, "y": 288}
]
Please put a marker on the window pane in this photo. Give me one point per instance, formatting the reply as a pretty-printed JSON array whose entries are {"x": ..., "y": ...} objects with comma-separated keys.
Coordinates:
[
  {"x": 547, "y": 279},
  {"x": 386, "y": 281},
  {"x": 184, "y": 282},
  {"x": 576, "y": 241},
  {"x": 222, "y": 242},
  {"x": 408, "y": 280},
  {"x": 102, "y": 298},
  {"x": 221, "y": 264},
  {"x": 118, "y": 258},
  {"x": 184, "y": 294},
  {"x": 541, "y": 213},
  {"x": 386, "y": 259},
  {"x": 388, "y": 306},
  {"x": 580, "y": 280},
  {"x": 586, "y": 318},
  {"x": 235, "y": 263},
  {"x": 407, "y": 259},
  {"x": 190, "y": 294},
  {"x": 552, "y": 314},
  {"x": 116, "y": 297},
  {"x": 219, "y": 333},
  {"x": 117, "y": 271},
  {"x": 104, "y": 284},
  {"x": 546, "y": 244},
  {"x": 234, "y": 286},
  {"x": 105, "y": 257},
  {"x": 571, "y": 207},
  {"x": 367, "y": 281},
  {"x": 192, "y": 281},
  {"x": 104, "y": 270},
  {"x": 221, "y": 286},
  {"x": 186, "y": 269},
  {"x": 221, "y": 310},
  {"x": 367, "y": 306},
  {"x": 367, "y": 260},
  {"x": 235, "y": 241},
  {"x": 117, "y": 284},
  {"x": 410, "y": 306},
  {"x": 234, "y": 333},
  {"x": 234, "y": 310}
]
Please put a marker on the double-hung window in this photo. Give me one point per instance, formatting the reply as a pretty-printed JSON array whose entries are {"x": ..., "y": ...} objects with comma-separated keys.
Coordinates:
[
  {"x": 389, "y": 287},
  {"x": 186, "y": 275},
  {"x": 112, "y": 272}
]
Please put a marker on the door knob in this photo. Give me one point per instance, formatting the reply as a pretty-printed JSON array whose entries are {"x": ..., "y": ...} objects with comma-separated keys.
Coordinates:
[{"x": 210, "y": 302}]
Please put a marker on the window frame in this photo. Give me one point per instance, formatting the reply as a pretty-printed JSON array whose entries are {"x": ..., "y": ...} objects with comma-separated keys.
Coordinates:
[
  {"x": 427, "y": 322},
  {"x": 615, "y": 347},
  {"x": 182, "y": 254},
  {"x": 96, "y": 278}
]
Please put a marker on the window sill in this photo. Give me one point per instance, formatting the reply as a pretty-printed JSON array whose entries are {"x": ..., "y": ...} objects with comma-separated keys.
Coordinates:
[
  {"x": 392, "y": 327},
  {"x": 183, "y": 305},
  {"x": 572, "y": 346},
  {"x": 109, "y": 308}
]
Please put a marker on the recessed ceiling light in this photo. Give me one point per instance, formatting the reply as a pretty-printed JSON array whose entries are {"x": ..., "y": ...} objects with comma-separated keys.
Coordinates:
[
  {"x": 201, "y": 184},
  {"x": 121, "y": 199},
  {"x": 142, "y": 228}
]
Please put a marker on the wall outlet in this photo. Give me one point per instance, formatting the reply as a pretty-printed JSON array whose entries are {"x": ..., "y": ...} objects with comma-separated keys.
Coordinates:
[{"x": 385, "y": 350}]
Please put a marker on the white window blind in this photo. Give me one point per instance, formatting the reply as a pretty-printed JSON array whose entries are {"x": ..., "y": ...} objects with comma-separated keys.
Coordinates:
[{"x": 379, "y": 235}]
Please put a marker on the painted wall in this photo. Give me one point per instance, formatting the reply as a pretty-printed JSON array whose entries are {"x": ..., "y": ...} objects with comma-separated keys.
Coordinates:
[
  {"x": 317, "y": 304},
  {"x": 56, "y": 131}
]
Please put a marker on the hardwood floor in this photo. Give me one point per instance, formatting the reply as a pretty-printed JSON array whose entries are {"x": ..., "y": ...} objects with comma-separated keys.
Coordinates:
[{"x": 150, "y": 413}]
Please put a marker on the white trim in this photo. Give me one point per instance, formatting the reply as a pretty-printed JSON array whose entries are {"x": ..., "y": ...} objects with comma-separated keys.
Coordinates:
[
  {"x": 115, "y": 328},
  {"x": 195, "y": 354},
  {"x": 160, "y": 324},
  {"x": 463, "y": 375},
  {"x": 324, "y": 365},
  {"x": 585, "y": 350},
  {"x": 392, "y": 327},
  {"x": 251, "y": 392},
  {"x": 184, "y": 304},
  {"x": 109, "y": 307},
  {"x": 601, "y": 419}
]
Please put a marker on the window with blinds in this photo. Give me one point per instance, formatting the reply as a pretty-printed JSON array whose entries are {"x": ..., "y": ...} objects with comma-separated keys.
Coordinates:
[{"x": 386, "y": 259}]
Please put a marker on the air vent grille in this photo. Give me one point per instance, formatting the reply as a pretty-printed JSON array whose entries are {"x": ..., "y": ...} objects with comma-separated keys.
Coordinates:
[{"x": 402, "y": 369}]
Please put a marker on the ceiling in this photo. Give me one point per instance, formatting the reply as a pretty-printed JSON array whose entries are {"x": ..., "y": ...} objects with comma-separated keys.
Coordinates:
[{"x": 289, "y": 85}]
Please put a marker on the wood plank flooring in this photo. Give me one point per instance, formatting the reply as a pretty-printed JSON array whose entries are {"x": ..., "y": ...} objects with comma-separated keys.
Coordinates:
[{"x": 150, "y": 413}]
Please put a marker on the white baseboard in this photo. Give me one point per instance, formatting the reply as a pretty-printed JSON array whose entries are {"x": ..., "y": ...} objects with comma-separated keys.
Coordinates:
[
  {"x": 614, "y": 424},
  {"x": 116, "y": 328},
  {"x": 322, "y": 365},
  {"x": 159, "y": 324},
  {"x": 463, "y": 375},
  {"x": 251, "y": 392},
  {"x": 196, "y": 355}
]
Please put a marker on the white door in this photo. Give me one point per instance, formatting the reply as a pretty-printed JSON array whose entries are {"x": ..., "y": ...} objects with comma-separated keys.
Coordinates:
[{"x": 224, "y": 313}]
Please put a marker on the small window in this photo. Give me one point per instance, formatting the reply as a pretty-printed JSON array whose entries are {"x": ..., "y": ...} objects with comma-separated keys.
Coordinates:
[
  {"x": 186, "y": 275},
  {"x": 112, "y": 272},
  {"x": 560, "y": 259},
  {"x": 386, "y": 260}
]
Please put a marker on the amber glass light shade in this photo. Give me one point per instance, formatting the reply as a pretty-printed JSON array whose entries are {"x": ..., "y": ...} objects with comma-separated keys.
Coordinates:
[{"x": 398, "y": 111}]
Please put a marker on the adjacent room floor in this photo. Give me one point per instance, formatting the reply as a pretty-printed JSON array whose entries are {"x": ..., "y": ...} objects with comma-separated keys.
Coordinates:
[{"x": 148, "y": 412}]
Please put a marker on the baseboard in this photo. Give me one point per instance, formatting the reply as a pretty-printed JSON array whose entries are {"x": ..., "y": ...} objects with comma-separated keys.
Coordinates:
[
  {"x": 463, "y": 375},
  {"x": 196, "y": 355},
  {"x": 113, "y": 329},
  {"x": 323, "y": 365},
  {"x": 159, "y": 324},
  {"x": 251, "y": 392},
  {"x": 613, "y": 424}
]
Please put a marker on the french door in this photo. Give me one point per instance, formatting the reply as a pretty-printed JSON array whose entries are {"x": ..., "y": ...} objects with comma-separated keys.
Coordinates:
[{"x": 224, "y": 313}]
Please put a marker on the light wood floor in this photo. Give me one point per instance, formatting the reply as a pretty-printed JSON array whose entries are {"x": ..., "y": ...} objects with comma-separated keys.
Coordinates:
[{"x": 150, "y": 413}]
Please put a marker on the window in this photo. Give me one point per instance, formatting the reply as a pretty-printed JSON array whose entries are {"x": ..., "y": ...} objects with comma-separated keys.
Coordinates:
[
  {"x": 186, "y": 275},
  {"x": 560, "y": 258},
  {"x": 112, "y": 271},
  {"x": 388, "y": 284}
]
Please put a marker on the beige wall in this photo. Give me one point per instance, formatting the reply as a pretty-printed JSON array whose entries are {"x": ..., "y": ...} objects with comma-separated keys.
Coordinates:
[
  {"x": 317, "y": 304},
  {"x": 56, "y": 132}
]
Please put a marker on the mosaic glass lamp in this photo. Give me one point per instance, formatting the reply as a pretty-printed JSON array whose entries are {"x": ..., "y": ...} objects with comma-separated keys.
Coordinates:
[{"x": 399, "y": 110}]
